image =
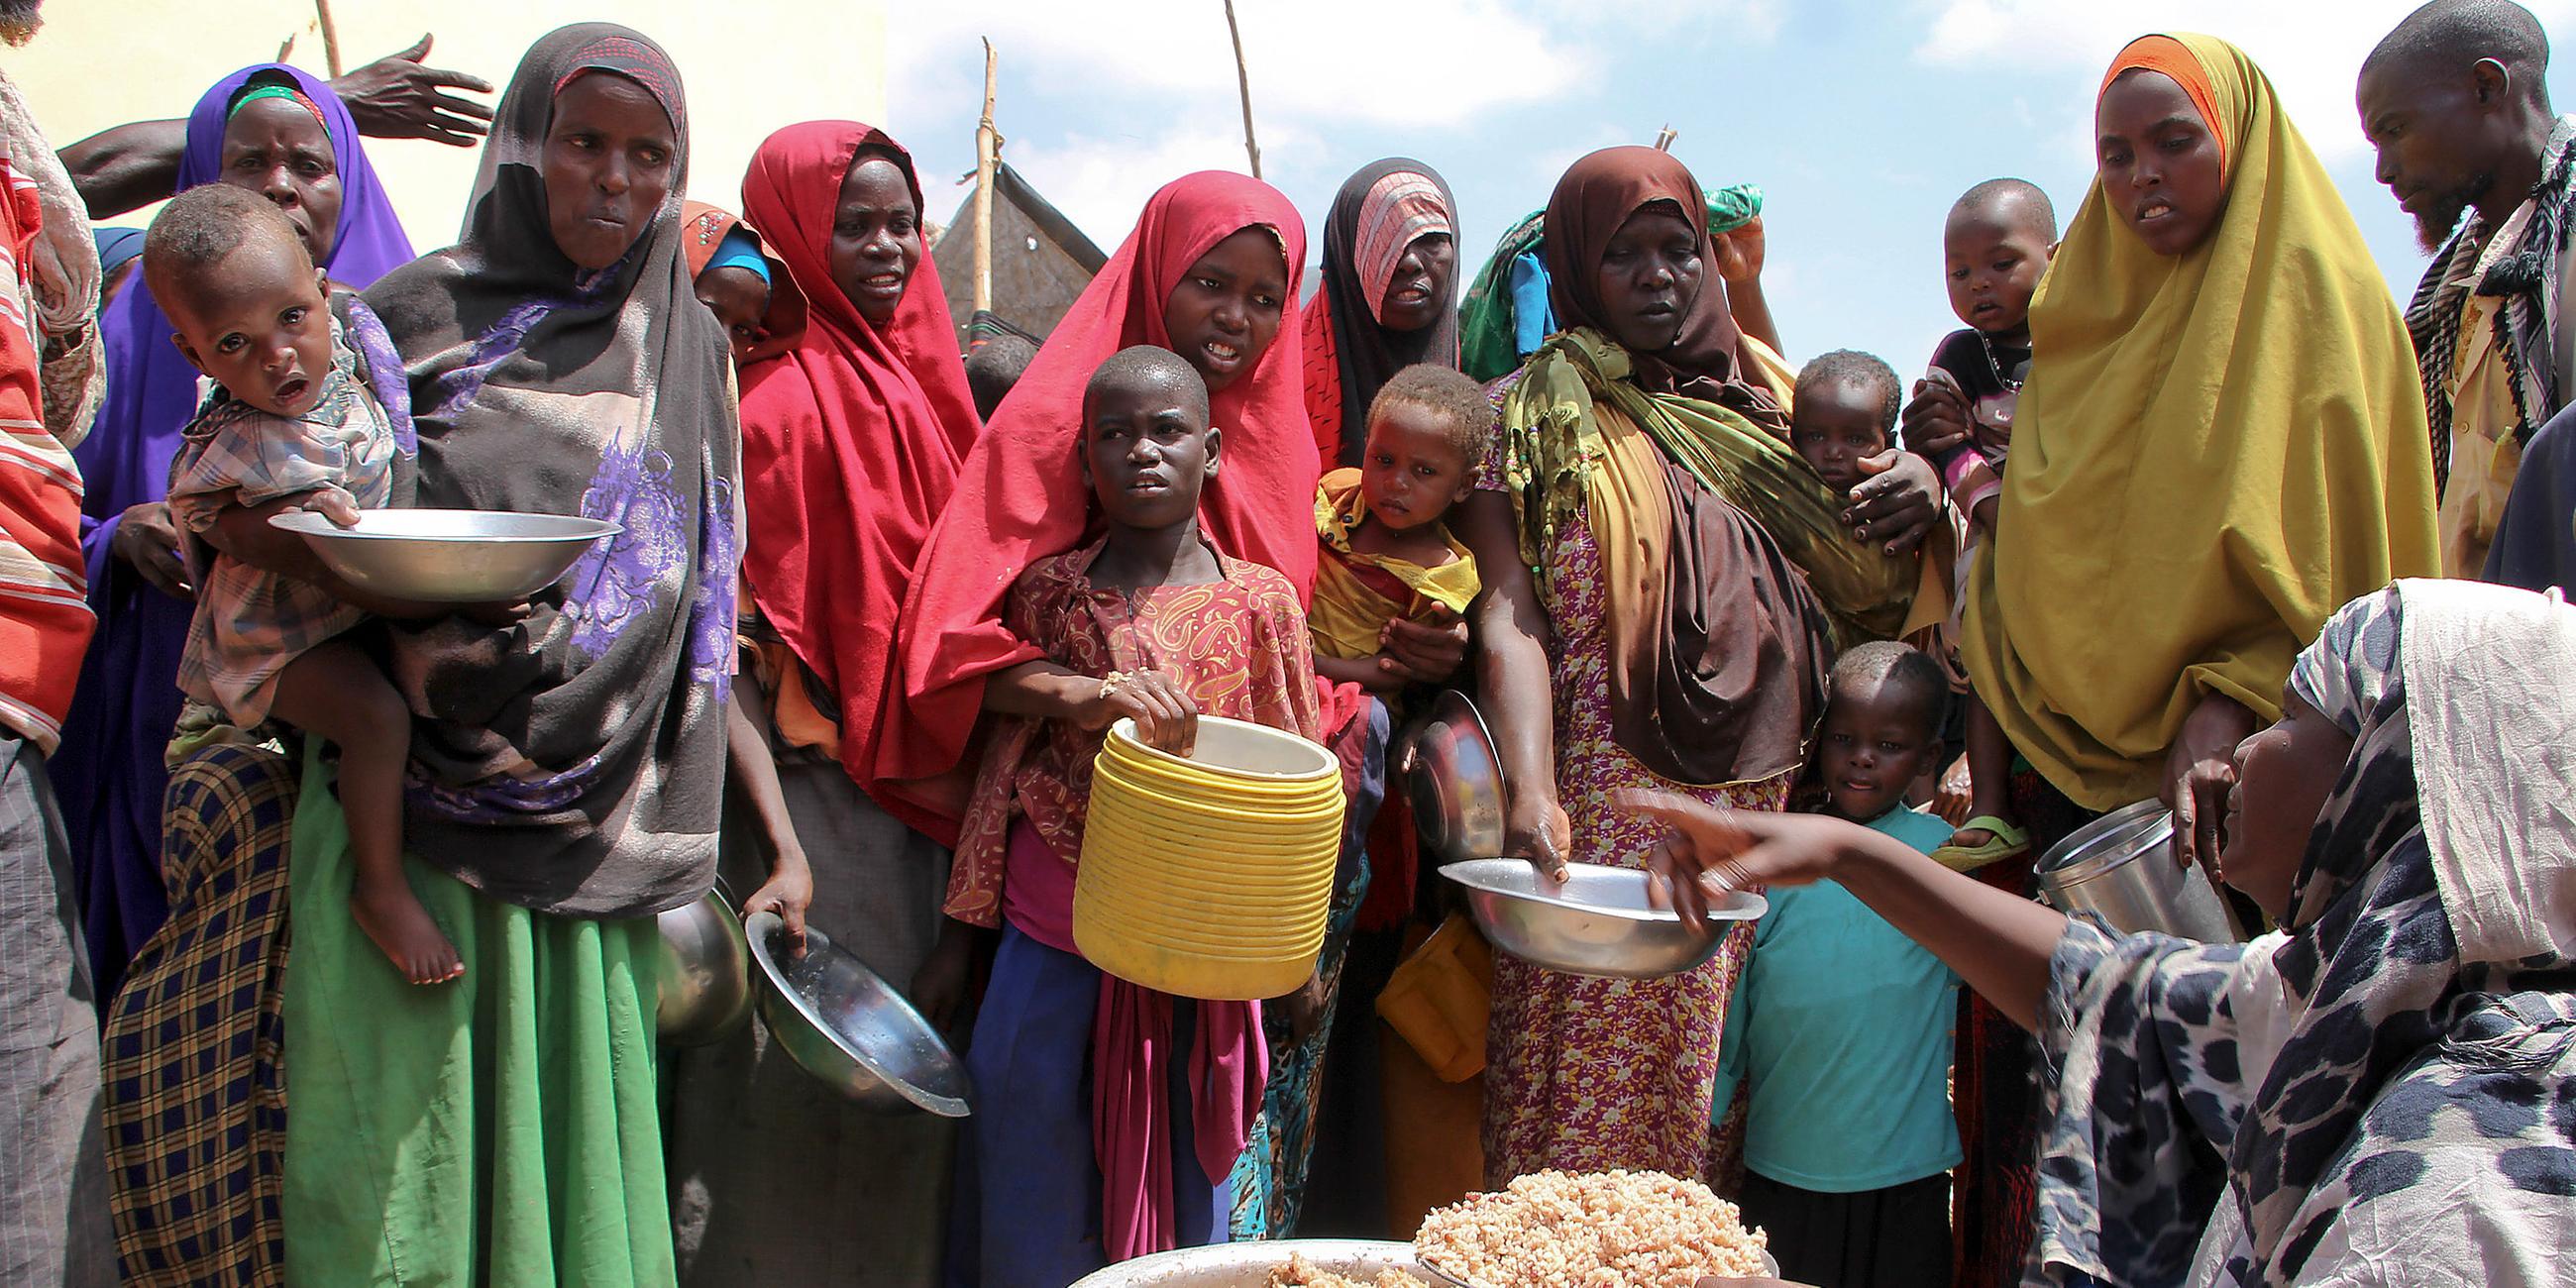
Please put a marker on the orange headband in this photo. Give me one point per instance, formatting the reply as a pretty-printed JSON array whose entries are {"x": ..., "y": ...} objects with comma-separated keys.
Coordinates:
[{"x": 2170, "y": 57}]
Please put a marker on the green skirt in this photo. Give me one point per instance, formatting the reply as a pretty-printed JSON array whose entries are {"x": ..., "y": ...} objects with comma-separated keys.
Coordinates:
[{"x": 500, "y": 1129}]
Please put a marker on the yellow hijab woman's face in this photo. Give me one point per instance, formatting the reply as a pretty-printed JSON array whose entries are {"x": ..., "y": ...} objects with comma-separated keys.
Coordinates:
[{"x": 2162, "y": 167}]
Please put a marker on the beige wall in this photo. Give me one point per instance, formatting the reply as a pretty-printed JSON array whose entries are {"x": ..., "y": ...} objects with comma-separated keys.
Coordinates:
[{"x": 750, "y": 67}]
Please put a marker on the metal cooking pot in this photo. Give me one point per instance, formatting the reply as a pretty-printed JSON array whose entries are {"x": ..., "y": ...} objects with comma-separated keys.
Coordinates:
[
  {"x": 1456, "y": 783},
  {"x": 2120, "y": 868}
]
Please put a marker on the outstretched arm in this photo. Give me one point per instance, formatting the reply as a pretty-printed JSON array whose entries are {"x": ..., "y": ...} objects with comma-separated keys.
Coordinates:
[
  {"x": 395, "y": 97},
  {"x": 1999, "y": 944}
]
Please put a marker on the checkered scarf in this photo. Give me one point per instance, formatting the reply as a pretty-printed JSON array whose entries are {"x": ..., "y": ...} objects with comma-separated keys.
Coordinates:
[{"x": 2526, "y": 278}]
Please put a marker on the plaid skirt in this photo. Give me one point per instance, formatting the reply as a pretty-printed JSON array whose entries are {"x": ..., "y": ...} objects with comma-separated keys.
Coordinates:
[{"x": 193, "y": 1068}]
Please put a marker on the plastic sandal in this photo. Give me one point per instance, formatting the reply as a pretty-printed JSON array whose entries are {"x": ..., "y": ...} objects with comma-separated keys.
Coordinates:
[{"x": 2004, "y": 842}]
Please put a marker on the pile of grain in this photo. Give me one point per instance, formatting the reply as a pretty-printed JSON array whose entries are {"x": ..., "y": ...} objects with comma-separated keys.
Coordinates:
[
  {"x": 1596, "y": 1230},
  {"x": 1301, "y": 1273}
]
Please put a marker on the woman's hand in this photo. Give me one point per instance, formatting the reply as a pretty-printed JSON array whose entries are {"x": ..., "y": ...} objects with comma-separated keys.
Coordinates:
[
  {"x": 1739, "y": 252},
  {"x": 1536, "y": 828},
  {"x": 2199, "y": 770},
  {"x": 1306, "y": 1007},
  {"x": 940, "y": 987},
  {"x": 148, "y": 540},
  {"x": 1166, "y": 717},
  {"x": 1896, "y": 507},
  {"x": 1424, "y": 652},
  {"x": 1936, "y": 419},
  {"x": 788, "y": 892},
  {"x": 1706, "y": 850},
  {"x": 400, "y": 97}
]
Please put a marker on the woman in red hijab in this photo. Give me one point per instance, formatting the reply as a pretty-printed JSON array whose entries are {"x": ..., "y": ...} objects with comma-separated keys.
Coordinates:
[
  {"x": 853, "y": 428},
  {"x": 1210, "y": 273}
]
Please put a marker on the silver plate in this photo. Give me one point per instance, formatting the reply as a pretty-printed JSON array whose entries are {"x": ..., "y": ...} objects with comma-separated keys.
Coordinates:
[{"x": 1599, "y": 922}]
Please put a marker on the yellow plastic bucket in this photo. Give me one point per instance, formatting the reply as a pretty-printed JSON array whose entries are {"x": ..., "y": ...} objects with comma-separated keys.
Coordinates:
[{"x": 1210, "y": 876}]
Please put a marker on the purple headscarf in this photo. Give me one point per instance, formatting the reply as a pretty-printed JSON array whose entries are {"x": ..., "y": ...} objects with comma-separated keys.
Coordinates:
[{"x": 109, "y": 772}]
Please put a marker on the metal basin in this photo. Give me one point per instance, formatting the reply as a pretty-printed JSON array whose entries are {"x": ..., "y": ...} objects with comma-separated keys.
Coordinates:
[
  {"x": 1248, "y": 1265},
  {"x": 2120, "y": 868},
  {"x": 450, "y": 556},
  {"x": 1456, "y": 785},
  {"x": 844, "y": 1025},
  {"x": 1597, "y": 923},
  {"x": 705, "y": 976}
]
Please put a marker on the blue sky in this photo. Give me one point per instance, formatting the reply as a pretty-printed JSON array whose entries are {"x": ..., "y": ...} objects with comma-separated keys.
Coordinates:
[{"x": 1862, "y": 121}]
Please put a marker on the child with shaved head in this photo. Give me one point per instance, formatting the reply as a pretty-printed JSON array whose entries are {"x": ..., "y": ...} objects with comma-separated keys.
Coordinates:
[
  {"x": 292, "y": 415},
  {"x": 1840, "y": 1028},
  {"x": 1088, "y": 1141}
]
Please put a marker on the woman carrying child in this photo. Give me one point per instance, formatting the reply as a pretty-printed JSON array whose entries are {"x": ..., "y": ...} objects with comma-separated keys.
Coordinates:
[
  {"x": 2220, "y": 442},
  {"x": 1667, "y": 637},
  {"x": 503, "y": 1128},
  {"x": 851, "y": 438},
  {"x": 284, "y": 136}
]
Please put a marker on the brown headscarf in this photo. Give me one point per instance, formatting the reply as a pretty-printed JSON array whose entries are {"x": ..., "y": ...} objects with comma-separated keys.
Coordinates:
[
  {"x": 1599, "y": 193},
  {"x": 1718, "y": 646}
]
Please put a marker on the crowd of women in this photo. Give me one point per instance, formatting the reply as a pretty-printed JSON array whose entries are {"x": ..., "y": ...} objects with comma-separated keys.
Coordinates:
[{"x": 2225, "y": 499}]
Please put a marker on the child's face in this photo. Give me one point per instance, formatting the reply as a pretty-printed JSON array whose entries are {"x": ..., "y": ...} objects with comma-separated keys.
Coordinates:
[
  {"x": 1834, "y": 425},
  {"x": 1993, "y": 265},
  {"x": 257, "y": 323},
  {"x": 1226, "y": 309},
  {"x": 2159, "y": 163},
  {"x": 1146, "y": 451},
  {"x": 739, "y": 299},
  {"x": 1872, "y": 745},
  {"x": 1412, "y": 473}
]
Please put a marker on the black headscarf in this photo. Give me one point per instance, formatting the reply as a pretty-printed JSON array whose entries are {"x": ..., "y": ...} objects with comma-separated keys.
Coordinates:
[{"x": 1365, "y": 352}]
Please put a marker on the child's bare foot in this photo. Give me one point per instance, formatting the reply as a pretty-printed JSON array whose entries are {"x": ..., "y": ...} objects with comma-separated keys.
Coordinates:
[{"x": 392, "y": 916}]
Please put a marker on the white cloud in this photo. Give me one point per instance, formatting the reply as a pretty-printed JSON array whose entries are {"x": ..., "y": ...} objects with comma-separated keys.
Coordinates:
[
  {"x": 1100, "y": 182},
  {"x": 1439, "y": 62},
  {"x": 2312, "y": 49}
]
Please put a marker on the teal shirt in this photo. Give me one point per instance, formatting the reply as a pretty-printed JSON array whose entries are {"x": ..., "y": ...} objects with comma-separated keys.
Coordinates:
[{"x": 1842, "y": 1026}]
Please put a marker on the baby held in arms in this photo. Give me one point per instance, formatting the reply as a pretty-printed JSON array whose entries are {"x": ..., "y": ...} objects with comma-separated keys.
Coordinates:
[
  {"x": 1388, "y": 554},
  {"x": 293, "y": 416}
]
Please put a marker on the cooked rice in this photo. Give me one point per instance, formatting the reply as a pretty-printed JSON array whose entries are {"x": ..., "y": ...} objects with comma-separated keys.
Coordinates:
[
  {"x": 1301, "y": 1273},
  {"x": 1594, "y": 1230}
]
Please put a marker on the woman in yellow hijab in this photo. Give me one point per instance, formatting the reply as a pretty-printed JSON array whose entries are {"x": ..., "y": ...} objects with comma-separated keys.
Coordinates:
[{"x": 2221, "y": 441}]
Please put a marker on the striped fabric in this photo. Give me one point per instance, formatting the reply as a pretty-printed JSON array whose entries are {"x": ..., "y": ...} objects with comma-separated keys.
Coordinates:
[
  {"x": 45, "y": 618},
  {"x": 193, "y": 1068},
  {"x": 1401, "y": 207}
]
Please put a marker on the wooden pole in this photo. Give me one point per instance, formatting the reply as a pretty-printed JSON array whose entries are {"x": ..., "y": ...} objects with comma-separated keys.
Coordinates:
[
  {"x": 988, "y": 149},
  {"x": 1243, "y": 82},
  {"x": 1664, "y": 138},
  {"x": 330, "y": 37},
  {"x": 287, "y": 48}
]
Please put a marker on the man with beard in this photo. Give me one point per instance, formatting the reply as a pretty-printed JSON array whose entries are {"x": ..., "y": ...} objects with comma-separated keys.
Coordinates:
[
  {"x": 2455, "y": 104},
  {"x": 53, "y": 1210}
]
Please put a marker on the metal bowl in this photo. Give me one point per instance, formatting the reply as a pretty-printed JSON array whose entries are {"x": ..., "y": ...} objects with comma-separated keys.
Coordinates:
[
  {"x": 705, "y": 975},
  {"x": 844, "y": 1025},
  {"x": 450, "y": 556},
  {"x": 1456, "y": 784},
  {"x": 1598, "y": 922},
  {"x": 1248, "y": 1265}
]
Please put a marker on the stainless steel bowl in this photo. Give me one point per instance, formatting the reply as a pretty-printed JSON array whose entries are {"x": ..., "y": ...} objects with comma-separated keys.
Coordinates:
[
  {"x": 2120, "y": 868},
  {"x": 450, "y": 556},
  {"x": 706, "y": 973},
  {"x": 844, "y": 1025},
  {"x": 1456, "y": 784},
  {"x": 1598, "y": 922},
  {"x": 1248, "y": 1265}
]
